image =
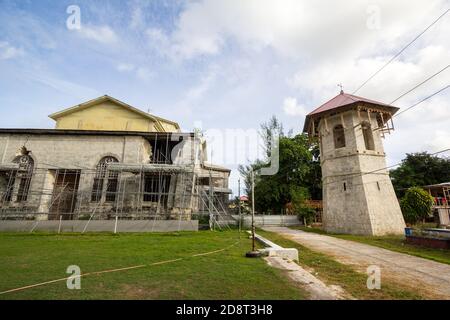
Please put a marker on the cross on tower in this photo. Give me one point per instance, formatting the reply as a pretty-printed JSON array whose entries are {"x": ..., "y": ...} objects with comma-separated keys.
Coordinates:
[{"x": 342, "y": 87}]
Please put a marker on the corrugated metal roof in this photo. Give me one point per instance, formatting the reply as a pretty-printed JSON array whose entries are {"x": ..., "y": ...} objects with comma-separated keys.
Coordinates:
[{"x": 342, "y": 100}]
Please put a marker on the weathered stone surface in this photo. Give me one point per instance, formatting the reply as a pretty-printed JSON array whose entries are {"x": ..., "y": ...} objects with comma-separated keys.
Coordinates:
[{"x": 357, "y": 192}]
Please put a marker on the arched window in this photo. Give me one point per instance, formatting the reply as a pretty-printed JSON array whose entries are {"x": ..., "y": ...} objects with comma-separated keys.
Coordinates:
[
  {"x": 104, "y": 177},
  {"x": 339, "y": 136},
  {"x": 24, "y": 174},
  {"x": 368, "y": 135}
]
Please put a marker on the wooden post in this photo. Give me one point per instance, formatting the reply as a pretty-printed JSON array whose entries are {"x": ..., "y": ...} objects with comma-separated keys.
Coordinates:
[
  {"x": 253, "y": 210},
  {"x": 59, "y": 227},
  {"x": 342, "y": 121}
]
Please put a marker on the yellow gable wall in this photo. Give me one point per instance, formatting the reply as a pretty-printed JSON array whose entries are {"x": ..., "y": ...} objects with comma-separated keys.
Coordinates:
[
  {"x": 168, "y": 126},
  {"x": 106, "y": 116}
]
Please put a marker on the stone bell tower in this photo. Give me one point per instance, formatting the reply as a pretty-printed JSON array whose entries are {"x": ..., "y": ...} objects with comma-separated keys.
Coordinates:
[{"x": 358, "y": 196}]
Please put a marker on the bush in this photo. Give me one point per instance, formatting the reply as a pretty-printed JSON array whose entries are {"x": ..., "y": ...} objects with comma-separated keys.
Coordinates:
[
  {"x": 416, "y": 205},
  {"x": 202, "y": 218},
  {"x": 306, "y": 214}
]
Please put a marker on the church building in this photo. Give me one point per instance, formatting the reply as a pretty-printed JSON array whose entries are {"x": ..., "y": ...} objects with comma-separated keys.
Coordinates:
[{"x": 103, "y": 159}]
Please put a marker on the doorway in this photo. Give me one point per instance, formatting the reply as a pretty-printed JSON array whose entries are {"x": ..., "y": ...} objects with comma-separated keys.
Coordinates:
[{"x": 64, "y": 196}]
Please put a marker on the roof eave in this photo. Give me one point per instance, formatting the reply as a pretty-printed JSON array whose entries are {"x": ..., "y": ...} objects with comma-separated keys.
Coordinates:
[{"x": 311, "y": 116}]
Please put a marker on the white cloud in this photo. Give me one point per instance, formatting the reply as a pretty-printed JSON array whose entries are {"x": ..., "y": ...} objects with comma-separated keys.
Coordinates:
[
  {"x": 198, "y": 91},
  {"x": 125, "y": 67},
  {"x": 137, "y": 18},
  {"x": 292, "y": 108},
  {"x": 296, "y": 29},
  {"x": 102, "y": 34},
  {"x": 7, "y": 51},
  {"x": 70, "y": 88},
  {"x": 440, "y": 140},
  {"x": 144, "y": 73}
]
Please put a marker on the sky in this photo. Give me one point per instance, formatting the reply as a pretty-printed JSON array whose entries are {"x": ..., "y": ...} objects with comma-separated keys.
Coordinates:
[{"x": 226, "y": 66}]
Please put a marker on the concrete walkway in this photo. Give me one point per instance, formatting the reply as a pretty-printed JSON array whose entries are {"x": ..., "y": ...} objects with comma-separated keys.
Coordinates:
[{"x": 427, "y": 276}]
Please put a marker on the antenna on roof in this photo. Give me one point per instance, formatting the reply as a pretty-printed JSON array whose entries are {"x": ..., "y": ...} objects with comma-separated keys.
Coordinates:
[{"x": 342, "y": 88}]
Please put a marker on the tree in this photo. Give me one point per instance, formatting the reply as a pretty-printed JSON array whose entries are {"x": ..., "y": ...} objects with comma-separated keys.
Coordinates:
[
  {"x": 416, "y": 205},
  {"x": 419, "y": 169},
  {"x": 298, "y": 177}
]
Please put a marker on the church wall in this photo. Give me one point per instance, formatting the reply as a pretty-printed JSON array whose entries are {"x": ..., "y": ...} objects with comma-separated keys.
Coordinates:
[
  {"x": 69, "y": 152},
  {"x": 83, "y": 153}
]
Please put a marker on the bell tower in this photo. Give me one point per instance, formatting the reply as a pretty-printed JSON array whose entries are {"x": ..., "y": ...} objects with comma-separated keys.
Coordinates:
[{"x": 358, "y": 195}]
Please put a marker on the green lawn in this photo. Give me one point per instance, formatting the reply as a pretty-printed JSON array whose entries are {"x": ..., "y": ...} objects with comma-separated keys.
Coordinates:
[
  {"x": 394, "y": 243},
  {"x": 335, "y": 273},
  {"x": 27, "y": 259}
]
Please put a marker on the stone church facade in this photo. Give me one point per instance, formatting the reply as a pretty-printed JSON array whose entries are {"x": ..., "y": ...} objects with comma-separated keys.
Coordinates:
[{"x": 106, "y": 159}]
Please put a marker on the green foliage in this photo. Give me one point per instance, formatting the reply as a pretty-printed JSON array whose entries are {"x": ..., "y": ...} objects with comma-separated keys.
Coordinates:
[
  {"x": 298, "y": 177},
  {"x": 419, "y": 169},
  {"x": 416, "y": 204},
  {"x": 306, "y": 214}
]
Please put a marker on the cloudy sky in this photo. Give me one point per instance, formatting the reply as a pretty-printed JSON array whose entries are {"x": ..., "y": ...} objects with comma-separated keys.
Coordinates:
[{"x": 227, "y": 65}]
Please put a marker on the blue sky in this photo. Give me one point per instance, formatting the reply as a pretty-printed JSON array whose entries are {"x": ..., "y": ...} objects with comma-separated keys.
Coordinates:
[{"x": 227, "y": 64}]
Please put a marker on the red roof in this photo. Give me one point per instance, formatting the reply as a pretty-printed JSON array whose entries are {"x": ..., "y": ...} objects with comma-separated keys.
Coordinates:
[
  {"x": 339, "y": 101},
  {"x": 244, "y": 198}
]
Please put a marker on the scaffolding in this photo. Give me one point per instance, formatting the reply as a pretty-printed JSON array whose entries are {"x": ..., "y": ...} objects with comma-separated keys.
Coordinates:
[{"x": 161, "y": 189}]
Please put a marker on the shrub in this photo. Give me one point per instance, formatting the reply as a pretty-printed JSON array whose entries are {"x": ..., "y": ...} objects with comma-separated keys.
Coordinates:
[
  {"x": 416, "y": 204},
  {"x": 306, "y": 214}
]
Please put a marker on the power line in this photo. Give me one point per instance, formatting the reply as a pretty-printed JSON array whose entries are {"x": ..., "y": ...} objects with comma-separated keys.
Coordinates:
[
  {"x": 381, "y": 169},
  {"x": 424, "y": 99},
  {"x": 418, "y": 85},
  {"x": 401, "y": 51}
]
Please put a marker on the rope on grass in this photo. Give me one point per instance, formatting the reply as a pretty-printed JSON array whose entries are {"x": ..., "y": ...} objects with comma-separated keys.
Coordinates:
[{"x": 115, "y": 270}]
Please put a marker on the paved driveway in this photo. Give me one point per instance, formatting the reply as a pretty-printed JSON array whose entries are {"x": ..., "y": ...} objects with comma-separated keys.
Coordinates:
[{"x": 430, "y": 277}]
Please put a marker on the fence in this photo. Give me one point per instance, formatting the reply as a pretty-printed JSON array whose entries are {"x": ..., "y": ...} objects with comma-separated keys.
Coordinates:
[
  {"x": 99, "y": 226},
  {"x": 269, "y": 220}
]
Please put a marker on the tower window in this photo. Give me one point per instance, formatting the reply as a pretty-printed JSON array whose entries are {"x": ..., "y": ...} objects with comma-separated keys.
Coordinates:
[
  {"x": 339, "y": 136},
  {"x": 345, "y": 186},
  {"x": 368, "y": 135}
]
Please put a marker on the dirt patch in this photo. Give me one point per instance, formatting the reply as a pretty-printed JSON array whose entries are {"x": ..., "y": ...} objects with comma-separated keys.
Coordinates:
[
  {"x": 134, "y": 292},
  {"x": 315, "y": 287}
]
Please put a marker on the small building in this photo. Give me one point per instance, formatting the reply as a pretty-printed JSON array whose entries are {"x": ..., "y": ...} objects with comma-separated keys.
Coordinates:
[
  {"x": 104, "y": 159},
  {"x": 358, "y": 196},
  {"x": 441, "y": 201}
]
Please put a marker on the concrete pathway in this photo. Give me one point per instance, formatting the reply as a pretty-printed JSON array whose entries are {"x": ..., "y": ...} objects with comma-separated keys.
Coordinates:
[
  {"x": 427, "y": 276},
  {"x": 315, "y": 287}
]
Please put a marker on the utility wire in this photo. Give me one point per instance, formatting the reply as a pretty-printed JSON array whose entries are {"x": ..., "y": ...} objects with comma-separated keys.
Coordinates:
[
  {"x": 401, "y": 51},
  {"x": 424, "y": 99},
  {"x": 418, "y": 85},
  {"x": 381, "y": 169}
]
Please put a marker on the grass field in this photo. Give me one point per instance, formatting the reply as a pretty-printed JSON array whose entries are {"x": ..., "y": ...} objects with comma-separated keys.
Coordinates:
[
  {"x": 394, "y": 243},
  {"x": 27, "y": 259},
  {"x": 335, "y": 273}
]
